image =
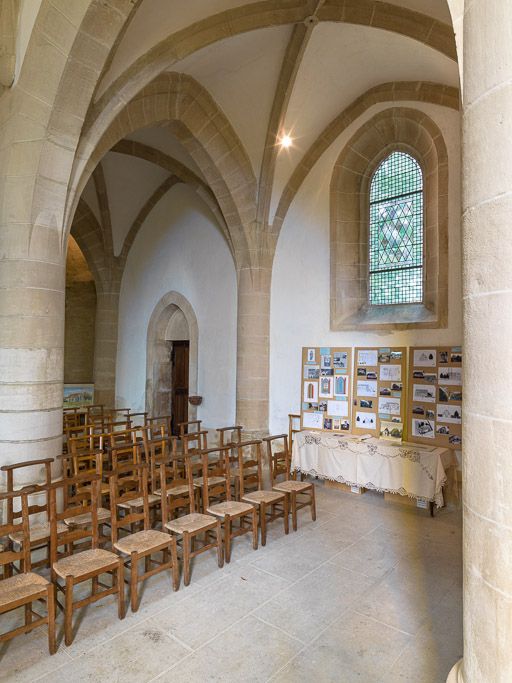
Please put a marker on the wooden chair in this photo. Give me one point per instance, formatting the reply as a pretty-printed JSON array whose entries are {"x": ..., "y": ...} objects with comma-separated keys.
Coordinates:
[
  {"x": 172, "y": 478},
  {"x": 250, "y": 469},
  {"x": 271, "y": 505},
  {"x": 192, "y": 525},
  {"x": 40, "y": 530},
  {"x": 159, "y": 426},
  {"x": 235, "y": 435},
  {"x": 87, "y": 564},
  {"x": 227, "y": 510},
  {"x": 24, "y": 588},
  {"x": 279, "y": 459},
  {"x": 292, "y": 428},
  {"x": 138, "y": 419},
  {"x": 193, "y": 443},
  {"x": 140, "y": 544},
  {"x": 184, "y": 427}
]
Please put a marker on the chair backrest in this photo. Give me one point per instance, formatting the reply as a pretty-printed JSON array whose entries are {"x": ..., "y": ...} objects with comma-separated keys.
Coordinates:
[
  {"x": 17, "y": 501},
  {"x": 230, "y": 435},
  {"x": 218, "y": 466},
  {"x": 90, "y": 463},
  {"x": 190, "y": 426},
  {"x": 21, "y": 468},
  {"x": 278, "y": 456},
  {"x": 123, "y": 453},
  {"x": 80, "y": 496},
  {"x": 138, "y": 419},
  {"x": 293, "y": 421},
  {"x": 250, "y": 465},
  {"x": 194, "y": 442},
  {"x": 86, "y": 442},
  {"x": 129, "y": 482},
  {"x": 71, "y": 417},
  {"x": 157, "y": 451},
  {"x": 161, "y": 425},
  {"x": 168, "y": 481}
]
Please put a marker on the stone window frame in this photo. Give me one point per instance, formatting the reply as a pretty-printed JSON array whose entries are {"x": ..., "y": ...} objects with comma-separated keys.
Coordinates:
[{"x": 394, "y": 129}]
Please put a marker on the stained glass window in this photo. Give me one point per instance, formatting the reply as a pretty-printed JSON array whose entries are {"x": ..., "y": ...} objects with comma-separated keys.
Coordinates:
[{"x": 396, "y": 232}]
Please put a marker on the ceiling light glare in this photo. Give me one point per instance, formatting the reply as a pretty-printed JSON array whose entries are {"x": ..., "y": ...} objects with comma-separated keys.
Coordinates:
[{"x": 285, "y": 141}]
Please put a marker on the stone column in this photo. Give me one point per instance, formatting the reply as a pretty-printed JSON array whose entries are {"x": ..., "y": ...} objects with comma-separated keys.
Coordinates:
[
  {"x": 253, "y": 348},
  {"x": 487, "y": 274},
  {"x": 105, "y": 344},
  {"x": 32, "y": 295}
]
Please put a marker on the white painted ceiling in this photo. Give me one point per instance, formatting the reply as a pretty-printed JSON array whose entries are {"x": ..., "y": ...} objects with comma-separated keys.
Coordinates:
[{"x": 241, "y": 72}]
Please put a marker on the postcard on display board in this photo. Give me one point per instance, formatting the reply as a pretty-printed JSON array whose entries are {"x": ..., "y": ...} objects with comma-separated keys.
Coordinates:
[
  {"x": 390, "y": 373},
  {"x": 311, "y": 356},
  {"x": 337, "y": 408},
  {"x": 449, "y": 414},
  {"x": 423, "y": 393},
  {"x": 366, "y": 387},
  {"x": 425, "y": 358},
  {"x": 341, "y": 385},
  {"x": 425, "y": 429},
  {"x": 325, "y": 361},
  {"x": 340, "y": 359},
  {"x": 310, "y": 392},
  {"x": 450, "y": 376},
  {"x": 389, "y": 405},
  {"x": 367, "y": 357},
  {"x": 311, "y": 371},
  {"x": 313, "y": 420},
  {"x": 326, "y": 387},
  {"x": 366, "y": 420},
  {"x": 391, "y": 431}
]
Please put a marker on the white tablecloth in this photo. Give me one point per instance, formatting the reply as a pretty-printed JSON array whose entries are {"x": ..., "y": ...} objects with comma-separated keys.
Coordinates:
[{"x": 409, "y": 470}]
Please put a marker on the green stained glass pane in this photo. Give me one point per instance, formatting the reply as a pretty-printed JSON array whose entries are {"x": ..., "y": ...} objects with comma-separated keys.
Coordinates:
[{"x": 396, "y": 232}]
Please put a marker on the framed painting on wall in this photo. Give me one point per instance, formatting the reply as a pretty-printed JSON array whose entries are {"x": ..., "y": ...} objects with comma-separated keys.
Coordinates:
[{"x": 77, "y": 395}]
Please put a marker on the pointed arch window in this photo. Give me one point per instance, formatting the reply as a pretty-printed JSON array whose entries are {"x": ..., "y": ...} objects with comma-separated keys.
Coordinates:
[{"x": 396, "y": 232}]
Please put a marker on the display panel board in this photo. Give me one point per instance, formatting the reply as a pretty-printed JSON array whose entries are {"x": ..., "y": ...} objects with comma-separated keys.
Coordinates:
[
  {"x": 379, "y": 391},
  {"x": 434, "y": 413},
  {"x": 326, "y": 389}
]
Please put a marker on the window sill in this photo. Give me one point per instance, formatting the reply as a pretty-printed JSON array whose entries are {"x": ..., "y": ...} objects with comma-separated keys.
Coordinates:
[{"x": 389, "y": 317}]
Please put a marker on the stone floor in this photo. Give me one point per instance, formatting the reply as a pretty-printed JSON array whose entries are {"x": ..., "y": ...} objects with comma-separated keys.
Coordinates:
[{"x": 370, "y": 592}]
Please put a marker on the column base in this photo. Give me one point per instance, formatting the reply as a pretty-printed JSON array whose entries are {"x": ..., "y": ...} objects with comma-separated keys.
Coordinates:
[{"x": 455, "y": 675}]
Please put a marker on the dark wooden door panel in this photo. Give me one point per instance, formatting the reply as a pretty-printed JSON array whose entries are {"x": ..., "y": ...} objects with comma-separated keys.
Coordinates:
[{"x": 179, "y": 383}]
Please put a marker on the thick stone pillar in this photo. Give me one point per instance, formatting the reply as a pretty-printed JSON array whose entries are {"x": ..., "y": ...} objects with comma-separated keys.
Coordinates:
[
  {"x": 105, "y": 345},
  {"x": 253, "y": 348},
  {"x": 487, "y": 273},
  {"x": 32, "y": 295}
]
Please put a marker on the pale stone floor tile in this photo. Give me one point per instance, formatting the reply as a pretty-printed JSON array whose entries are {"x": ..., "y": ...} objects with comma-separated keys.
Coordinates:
[
  {"x": 354, "y": 648},
  {"x": 370, "y": 581},
  {"x": 135, "y": 656},
  {"x": 315, "y": 601},
  {"x": 250, "y": 650},
  {"x": 199, "y": 618}
]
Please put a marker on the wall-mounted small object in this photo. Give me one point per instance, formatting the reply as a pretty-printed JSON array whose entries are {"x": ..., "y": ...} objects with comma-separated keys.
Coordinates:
[{"x": 195, "y": 400}]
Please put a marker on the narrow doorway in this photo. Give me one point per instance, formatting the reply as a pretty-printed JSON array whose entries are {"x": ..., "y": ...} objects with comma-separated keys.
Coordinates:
[{"x": 179, "y": 384}]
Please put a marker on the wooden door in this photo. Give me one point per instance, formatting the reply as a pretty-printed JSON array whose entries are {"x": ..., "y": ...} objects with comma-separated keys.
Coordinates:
[{"x": 179, "y": 384}]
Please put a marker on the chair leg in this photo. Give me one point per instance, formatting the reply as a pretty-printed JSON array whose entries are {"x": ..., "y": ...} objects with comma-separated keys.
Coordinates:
[
  {"x": 220, "y": 548},
  {"x": 254, "y": 529},
  {"x": 175, "y": 569},
  {"x": 68, "y": 611},
  {"x": 118, "y": 576},
  {"x": 28, "y": 613},
  {"x": 134, "y": 579},
  {"x": 263, "y": 523},
  {"x": 186, "y": 558},
  {"x": 293, "y": 502},
  {"x": 227, "y": 538},
  {"x": 313, "y": 503},
  {"x": 50, "y": 606},
  {"x": 286, "y": 513}
]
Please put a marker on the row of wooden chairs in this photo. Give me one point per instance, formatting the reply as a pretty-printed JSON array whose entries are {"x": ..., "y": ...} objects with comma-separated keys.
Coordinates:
[{"x": 128, "y": 487}]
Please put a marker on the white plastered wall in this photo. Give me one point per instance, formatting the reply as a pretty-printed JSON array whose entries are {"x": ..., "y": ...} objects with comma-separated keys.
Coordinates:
[
  {"x": 179, "y": 248},
  {"x": 301, "y": 274}
]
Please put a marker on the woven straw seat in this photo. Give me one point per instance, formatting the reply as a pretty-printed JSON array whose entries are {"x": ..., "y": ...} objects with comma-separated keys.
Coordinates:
[
  {"x": 174, "y": 490},
  {"x": 38, "y": 532},
  {"x": 21, "y": 586},
  {"x": 142, "y": 541},
  {"x": 292, "y": 485},
  {"x": 193, "y": 522},
  {"x": 212, "y": 481},
  {"x": 229, "y": 507},
  {"x": 86, "y": 562},
  {"x": 263, "y": 496},
  {"x": 86, "y": 518},
  {"x": 139, "y": 502}
]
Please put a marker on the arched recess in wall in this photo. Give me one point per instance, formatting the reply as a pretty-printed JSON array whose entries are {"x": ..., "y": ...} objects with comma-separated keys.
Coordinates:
[
  {"x": 401, "y": 129},
  {"x": 161, "y": 325}
]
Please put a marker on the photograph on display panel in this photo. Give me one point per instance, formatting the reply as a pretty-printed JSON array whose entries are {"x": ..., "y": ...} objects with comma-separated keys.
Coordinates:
[
  {"x": 434, "y": 411},
  {"x": 379, "y": 374},
  {"x": 326, "y": 389}
]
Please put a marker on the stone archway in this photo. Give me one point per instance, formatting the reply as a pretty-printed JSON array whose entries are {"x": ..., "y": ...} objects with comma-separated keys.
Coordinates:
[{"x": 172, "y": 307}]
